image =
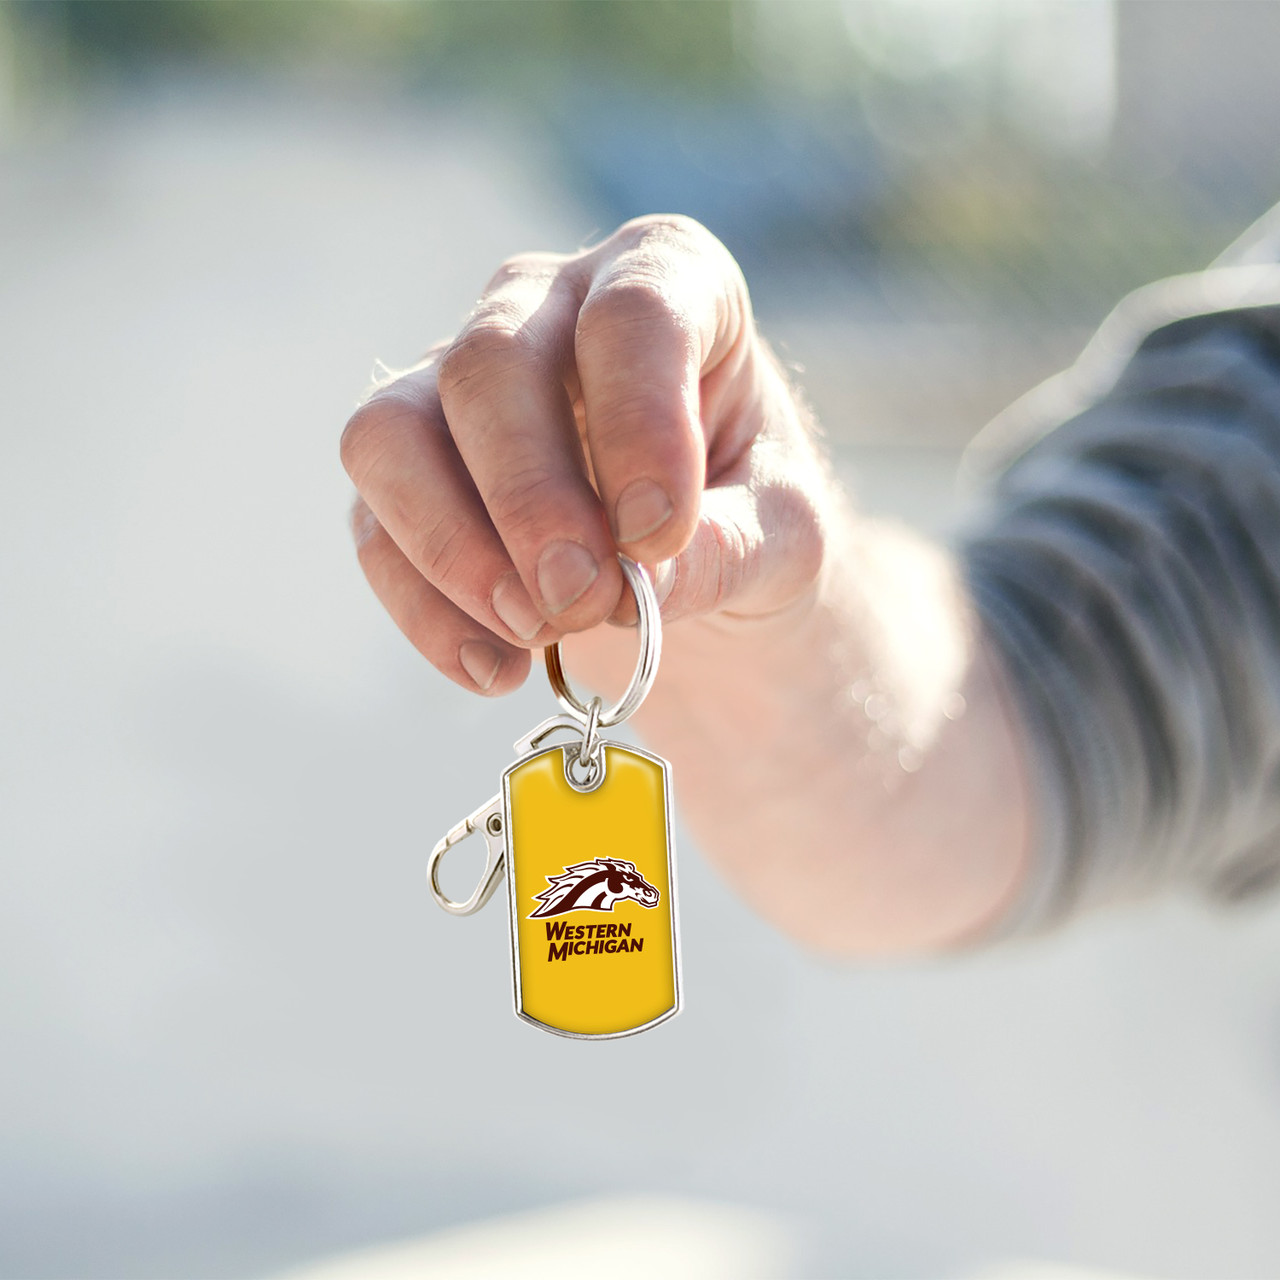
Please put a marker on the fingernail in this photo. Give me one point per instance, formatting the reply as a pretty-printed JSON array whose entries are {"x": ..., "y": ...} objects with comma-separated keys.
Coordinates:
[
  {"x": 565, "y": 571},
  {"x": 510, "y": 601},
  {"x": 642, "y": 507},
  {"x": 480, "y": 661},
  {"x": 664, "y": 578}
]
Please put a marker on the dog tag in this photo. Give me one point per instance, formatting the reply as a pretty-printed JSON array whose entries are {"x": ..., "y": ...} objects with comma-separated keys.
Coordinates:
[
  {"x": 592, "y": 893},
  {"x": 581, "y": 833}
]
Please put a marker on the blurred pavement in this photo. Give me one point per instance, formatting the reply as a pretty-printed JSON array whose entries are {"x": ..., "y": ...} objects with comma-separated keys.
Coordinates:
[
  {"x": 624, "y": 1238},
  {"x": 237, "y": 1035}
]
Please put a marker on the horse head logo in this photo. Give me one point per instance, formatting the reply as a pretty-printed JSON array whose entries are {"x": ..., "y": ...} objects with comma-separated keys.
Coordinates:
[{"x": 595, "y": 886}]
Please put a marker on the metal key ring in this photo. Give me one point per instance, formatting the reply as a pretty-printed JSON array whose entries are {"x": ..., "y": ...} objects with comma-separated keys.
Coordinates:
[{"x": 646, "y": 665}]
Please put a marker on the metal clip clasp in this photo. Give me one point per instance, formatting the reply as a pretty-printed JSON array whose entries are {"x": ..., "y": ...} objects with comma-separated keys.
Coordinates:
[
  {"x": 535, "y": 737},
  {"x": 488, "y": 821}
]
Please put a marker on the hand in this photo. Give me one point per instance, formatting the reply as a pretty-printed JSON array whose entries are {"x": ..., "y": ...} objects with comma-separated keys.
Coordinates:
[{"x": 617, "y": 398}]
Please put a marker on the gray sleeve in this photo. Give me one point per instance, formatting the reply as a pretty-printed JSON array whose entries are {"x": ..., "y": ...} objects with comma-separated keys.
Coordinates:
[{"x": 1128, "y": 570}]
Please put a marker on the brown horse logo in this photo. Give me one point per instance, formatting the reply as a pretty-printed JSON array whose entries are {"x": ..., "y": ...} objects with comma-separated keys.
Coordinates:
[{"x": 595, "y": 886}]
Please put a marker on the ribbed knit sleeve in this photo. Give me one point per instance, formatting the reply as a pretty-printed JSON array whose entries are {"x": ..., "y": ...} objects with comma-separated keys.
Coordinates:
[{"x": 1128, "y": 570}]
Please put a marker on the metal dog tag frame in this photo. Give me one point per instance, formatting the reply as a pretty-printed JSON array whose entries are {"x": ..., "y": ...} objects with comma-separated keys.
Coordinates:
[{"x": 593, "y": 974}]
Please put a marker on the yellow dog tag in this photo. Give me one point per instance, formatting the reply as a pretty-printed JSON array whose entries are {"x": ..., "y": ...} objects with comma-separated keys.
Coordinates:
[
  {"x": 583, "y": 835},
  {"x": 592, "y": 894}
]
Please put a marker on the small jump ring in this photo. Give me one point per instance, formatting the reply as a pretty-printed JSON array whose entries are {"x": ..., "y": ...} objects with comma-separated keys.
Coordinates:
[
  {"x": 646, "y": 665},
  {"x": 590, "y": 735}
]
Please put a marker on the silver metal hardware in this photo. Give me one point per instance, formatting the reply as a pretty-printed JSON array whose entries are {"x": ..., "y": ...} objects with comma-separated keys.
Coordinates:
[
  {"x": 539, "y": 733},
  {"x": 650, "y": 628},
  {"x": 590, "y": 746},
  {"x": 583, "y": 775},
  {"x": 584, "y": 765},
  {"x": 488, "y": 821}
]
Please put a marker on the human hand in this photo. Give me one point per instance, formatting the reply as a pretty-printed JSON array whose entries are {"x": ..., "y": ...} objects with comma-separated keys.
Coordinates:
[
  {"x": 616, "y": 398},
  {"x": 619, "y": 398}
]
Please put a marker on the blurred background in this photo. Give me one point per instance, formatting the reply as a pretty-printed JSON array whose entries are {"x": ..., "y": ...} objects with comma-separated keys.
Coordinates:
[{"x": 236, "y": 1036}]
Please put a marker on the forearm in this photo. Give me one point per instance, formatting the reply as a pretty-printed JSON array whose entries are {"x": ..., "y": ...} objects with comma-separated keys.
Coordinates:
[
  {"x": 850, "y": 764},
  {"x": 844, "y": 746}
]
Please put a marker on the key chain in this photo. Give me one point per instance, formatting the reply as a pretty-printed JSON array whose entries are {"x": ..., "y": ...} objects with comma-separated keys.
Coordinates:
[{"x": 582, "y": 833}]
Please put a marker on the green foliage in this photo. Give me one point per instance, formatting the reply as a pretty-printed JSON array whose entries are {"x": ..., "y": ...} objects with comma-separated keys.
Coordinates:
[
  {"x": 646, "y": 41},
  {"x": 963, "y": 193}
]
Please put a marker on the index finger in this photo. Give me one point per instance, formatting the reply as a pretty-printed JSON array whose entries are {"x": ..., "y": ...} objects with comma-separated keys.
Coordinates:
[{"x": 660, "y": 315}]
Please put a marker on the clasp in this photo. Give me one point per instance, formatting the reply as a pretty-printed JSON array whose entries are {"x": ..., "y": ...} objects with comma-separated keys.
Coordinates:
[{"x": 487, "y": 820}]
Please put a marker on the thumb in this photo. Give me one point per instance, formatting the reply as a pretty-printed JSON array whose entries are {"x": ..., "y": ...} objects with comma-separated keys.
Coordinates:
[{"x": 757, "y": 548}]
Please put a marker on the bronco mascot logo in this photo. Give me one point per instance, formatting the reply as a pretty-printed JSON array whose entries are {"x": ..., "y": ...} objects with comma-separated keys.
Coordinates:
[{"x": 595, "y": 886}]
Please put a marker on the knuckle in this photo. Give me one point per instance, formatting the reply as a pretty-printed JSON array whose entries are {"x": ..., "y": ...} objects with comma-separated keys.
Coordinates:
[
  {"x": 635, "y": 293},
  {"x": 437, "y": 544},
  {"x": 674, "y": 229},
  {"x": 367, "y": 428},
  {"x": 727, "y": 567},
  {"x": 658, "y": 416},
  {"x": 490, "y": 345},
  {"x": 521, "y": 499},
  {"x": 637, "y": 425},
  {"x": 677, "y": 249},
  {"x": 521, "y": 266}
]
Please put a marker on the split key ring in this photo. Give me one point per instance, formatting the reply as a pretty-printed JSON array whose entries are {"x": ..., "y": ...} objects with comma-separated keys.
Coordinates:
[{"x": 646, "y": 665}]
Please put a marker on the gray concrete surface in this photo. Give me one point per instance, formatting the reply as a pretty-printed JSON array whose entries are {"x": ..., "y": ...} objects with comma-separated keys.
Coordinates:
[{"x": 236, "y": 1033}]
